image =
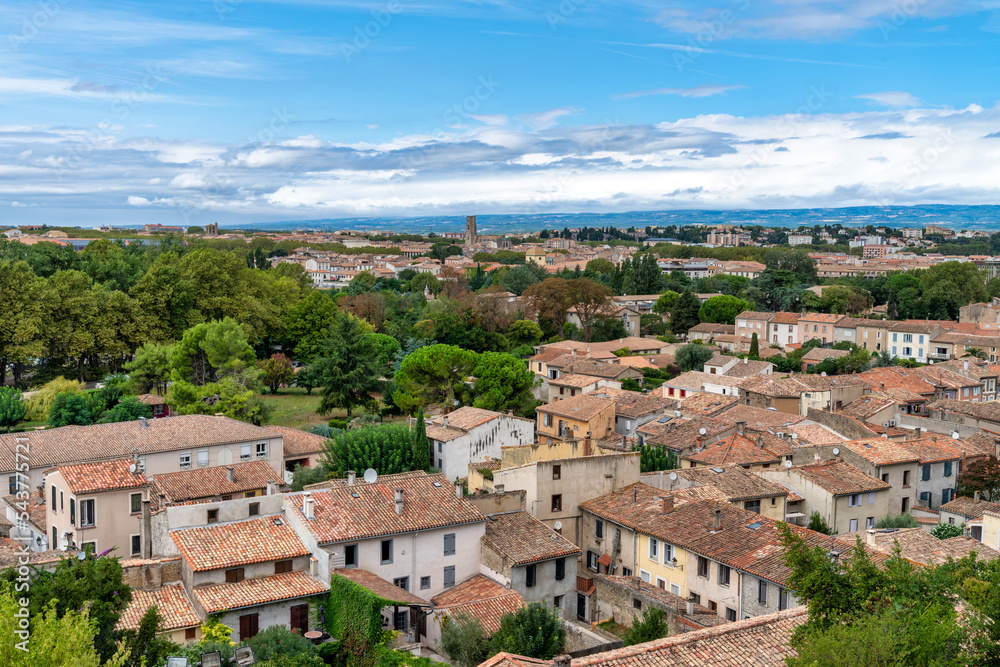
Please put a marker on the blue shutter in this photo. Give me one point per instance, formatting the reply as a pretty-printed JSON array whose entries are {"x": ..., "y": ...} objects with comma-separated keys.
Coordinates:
[
  {"x": 927, "y": 473},
  {"x": 947, "y": 468}
]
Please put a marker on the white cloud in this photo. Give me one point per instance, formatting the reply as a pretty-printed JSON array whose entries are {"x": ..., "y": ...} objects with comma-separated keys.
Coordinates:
[
  {"x": 697, "y": 91},
  {"x": 543, "y": 120},
  {"x": 892, "y": 98},
  {"x": 490, "y": 118}
]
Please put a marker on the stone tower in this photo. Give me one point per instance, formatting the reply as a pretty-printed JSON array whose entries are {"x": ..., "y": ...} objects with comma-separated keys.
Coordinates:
[{"x": 471, "y": 237}]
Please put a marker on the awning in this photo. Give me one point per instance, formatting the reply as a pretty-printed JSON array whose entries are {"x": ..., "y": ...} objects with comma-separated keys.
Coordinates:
[
  {"x": 794, "y": 515},
  {"x": 604, "y": 560}
]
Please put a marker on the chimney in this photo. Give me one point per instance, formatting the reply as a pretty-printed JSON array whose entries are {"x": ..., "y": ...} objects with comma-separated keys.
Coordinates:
[
  {"x": 717, "y": 520},
  {"x": 458, "y": 490},
  {"x": 739, "y": 427},
  {"x": 445, "y": 422},
  {"x": 351, "y": 476},
  {"x": 230, "y": 474},
  {"x": 560, "y": 661},
  {"x": 689, "y": 607},
  {"x": 760, "y": 442},
  {"x": 498, "y": 488},
  {"x": 881, "y": 386},
  {"x": 870, "y": 537},
  {"x": 586, "y": 446},
  {"x": 271, "y": 488},
  {"x": 399, "y": 502},
  {"x": 966, "y": 365},
  {"x": 975, "y": 497},
  {"x": 307, "y": 506},
  {"x": 668, "y": 503},
  {"x": 145, "y": 422},
  {"x": 313, "y": 566},
  {"x": 147, "y": 529},
  {"x": 746, "y": 360}
]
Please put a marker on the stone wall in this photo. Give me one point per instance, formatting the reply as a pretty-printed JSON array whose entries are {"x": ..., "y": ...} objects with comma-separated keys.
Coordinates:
[
  {"x": 151, "y": 574},
  {"x": 496, "y": 503},
  {"x": 844, "y": 425},
  {"x": 623, "y": 601}
]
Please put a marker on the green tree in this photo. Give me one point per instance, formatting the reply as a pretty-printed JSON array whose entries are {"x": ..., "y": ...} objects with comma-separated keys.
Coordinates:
[
  {"x": 551, "y": 299},
  {"x": 75, "y": 408},
  {"x": 503, "y": 382},
  {"x": 818, "y": 523},
  {"x": 12, "y": 408},
  {"x": 652, "y": 626},
  {"x": 666, "y": 302},
  {"x": 883, "y": 359},
  {"x": 534, "y": 631},
  {"x": 944, "y": 531},
  {"x": 654, "y": 458},
  {"x": 386, "y": 448},
  {"x": 210, "y": 350},
  {"x": 685, "y": 313},
  {"x": 631, "y": 384},
  {"x": 754, "y": 347},
  {"x": 590, "y": 300},
  {"x": 348, "y": 365},
  {"x": 308, "y": 378},
  {"x": 307, "y": 324},
  {"x": 434, "y": 375},
  {"x": 22, "y": 302},
  {"x": 464, "y": 640},
  {"x": 982, "y": 475},
  {"x": 421, "y": 445},
  {"x": 524, "y": 332},
  {"x": 40, "y": 403},
  {"x": 425, "y": 281},
  {"x": 144, "y": 646},
  {"x": 692, "y": 357},
  {"x": 127, "y": 409},
  {"x": 276, "y": 370},
  {"x": 303, "y": 475},
  {"x": 722, "y": 309},
  {"x": 904, "y": 520},
  {"x": 150, "y": 370}
]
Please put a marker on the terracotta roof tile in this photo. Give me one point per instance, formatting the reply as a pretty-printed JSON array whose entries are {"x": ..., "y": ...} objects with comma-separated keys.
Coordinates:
[
  {"x": 35, "y": 507},
  {"x": 466, "y": 418},
  {"x": 102, "y": 476},
  {"x": 736, "y": 482},
  {"x": 179, "y": 487},
  {"x": 380, "y": 587},
  {"x": 481, "y": 598},
  {"x": 867, "y": 406},
  {"x": 523, "y": 539},
  {"x": 970, "y": 508},
  {"x": 707, "y": 405},
  {"x": 583, "y": 408},
  {"x": 736, "y": 449},
  {"x": 933, "y": 449},
  {"x": 250, "y": 592},
  {"x": 920, "y": 546},
  {"x": 989, "y": 411},
  {"x": 840, "y": 478},
  {"x": 242, "y": 542},
  {"x": 759, "y": 418},
  {"x": 170, "y": 601},
  {"x": 881, "y": 451},
  {"x": 297, "y": 443},
  {"x": 428, "y": 502}
]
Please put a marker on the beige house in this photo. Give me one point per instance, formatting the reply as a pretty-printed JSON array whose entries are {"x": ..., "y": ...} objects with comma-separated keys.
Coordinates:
[
  {"x": 568, "y": 386},
  {"x": 743, "y": 488},
  {"x": 577, "y": 417},
  {"x": 846, "y": 498},
  {"x": 872, "y": 335},
  {"x": 96, "y": 506}
]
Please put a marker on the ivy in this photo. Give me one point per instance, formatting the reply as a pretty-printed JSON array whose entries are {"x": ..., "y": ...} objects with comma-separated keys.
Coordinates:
[{"x": 355, "y": 620}]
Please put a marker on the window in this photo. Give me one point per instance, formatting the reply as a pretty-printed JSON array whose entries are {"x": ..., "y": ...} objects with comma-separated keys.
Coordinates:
[
  {"x": 529, "y": 576},
  {"x": 752, "y": 506},
  {"x": 254, "y": 509},
  {"x": 730, "y": 614},
  {"x": 654, "y": 550},
  {"x": 626, "y": 572},
  {"x": 136, "y": 541},
  {"x": 853, "y": 526},
  {"x": 761, "y": 592},
  {"x": 557, "y": 502},
  {"x": 213, "y": 516},
  {"x": 245, "y": 452},
  {"x": 185, "y": 459},
  {"x": 449, "y": 544},
  {"x": 135, "y": 503},
  {"x": 261, "y": 450},
  {"x": 282, "y": 566},
  {"x": 599, "y": 530},
  {"x": 235, "y": 575},
  {"x": 546, "y": 419},
  {"x": 926, "y": 473},
  {"x": 402, "y": 582},
  {"x": 54, "y": 499},
  {"x": 906, "y": 478},
  {"x": 190, "y": 634},
  {"x": 557, "y": 472},
  {"x": 782, "y": 599},
  {"x": 947, "y": 468},
  {"x": 386, "y": 551},
  {"x": 299, "y": 617},
  {"x": 425, "y": 583},
  {"x": 440, "y": 448},
  {"x": 350, "y": 555},
  {"x": 560, "y": 569},
  {"x": 87, "y": 517},
  {"x": 202, "y": 458},
  {"x": 449, "y": 576},
  {"x": 854, "y": 500},
  {"x": 248, "y": 626},
  {"x": 12, "y": 484},
  {"x": 870, "y": 522},
  {"x": 675, "y": 589},
  {"x": 724, "y": 574},
  {"x": 636, "y": 603},
  {"x": 885, "y": 477},
  {"x": 702, "y": 567},
  {"x": 591, "y": 560},
  {"x": 72, "y": 511},
  {"x": 871, "y": 497},
  {"x": 62, "y": 503},
  {"x": 695, "y": 598}
]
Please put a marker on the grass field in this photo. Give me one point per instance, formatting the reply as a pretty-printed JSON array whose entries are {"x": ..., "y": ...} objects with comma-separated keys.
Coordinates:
[{"x": 291, "y": 407}]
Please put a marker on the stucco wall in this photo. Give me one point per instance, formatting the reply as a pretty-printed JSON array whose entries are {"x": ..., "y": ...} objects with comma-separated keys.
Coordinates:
[{"x": 750, "y": 604}]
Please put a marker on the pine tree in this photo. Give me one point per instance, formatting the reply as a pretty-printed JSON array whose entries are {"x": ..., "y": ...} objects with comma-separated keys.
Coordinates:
[
  {"x": 421, "y": 445},
  {"x": 754, "y": 347},
  {"x": 685, "y": 313}
]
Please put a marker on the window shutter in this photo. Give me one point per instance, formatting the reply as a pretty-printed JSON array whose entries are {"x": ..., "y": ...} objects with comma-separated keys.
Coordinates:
[
  {"x": 449, "y": 576},
  {"x": 449, "y": 544}
]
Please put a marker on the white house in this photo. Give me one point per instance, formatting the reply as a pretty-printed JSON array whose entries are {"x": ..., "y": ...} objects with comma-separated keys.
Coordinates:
[{"x": 471, "y": 435}]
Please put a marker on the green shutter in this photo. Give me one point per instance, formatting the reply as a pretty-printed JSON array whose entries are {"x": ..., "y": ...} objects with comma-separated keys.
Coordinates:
[{"x": 927, "y": 473}]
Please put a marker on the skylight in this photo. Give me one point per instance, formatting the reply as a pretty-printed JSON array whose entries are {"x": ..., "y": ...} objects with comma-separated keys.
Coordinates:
[{"x": 755, "y": 525}]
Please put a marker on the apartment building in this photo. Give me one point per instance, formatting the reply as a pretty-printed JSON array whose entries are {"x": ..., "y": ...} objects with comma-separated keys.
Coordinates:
[{"x": 817, "y": 325}]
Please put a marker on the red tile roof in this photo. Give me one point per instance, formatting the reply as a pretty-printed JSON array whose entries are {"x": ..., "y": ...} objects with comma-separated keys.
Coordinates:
[
  {"x": 210, "y": 482},
  {"x": 34, "y": 506},
  {"x": 881, "y": 451},
  {"x": 250, "y": 592},
  {"x": 340, "y": 516},
  {"x": 242, "y": 542},
  {"x": 103, "y": 476},
  {"x": 481, "y": 598},
  {"x": 170, "y": 601},
  {"x": 523, "y": 539},
  {"x": 840, "y": 478},
  {"x": 297, "y": 443},
  {"x": 380, "y": 587},
  {"x": 736, "y": 449}
]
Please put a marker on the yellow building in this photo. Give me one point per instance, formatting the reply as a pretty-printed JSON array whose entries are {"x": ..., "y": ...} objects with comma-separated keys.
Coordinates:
[{"x": 580, "y": 417}]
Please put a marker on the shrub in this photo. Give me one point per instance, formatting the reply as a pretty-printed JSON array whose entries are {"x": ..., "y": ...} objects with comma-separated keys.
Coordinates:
[
  {"x": 905, "y": 520},
  {"x": 649, "y": 628},
  {"x": 278, "y": 640}
]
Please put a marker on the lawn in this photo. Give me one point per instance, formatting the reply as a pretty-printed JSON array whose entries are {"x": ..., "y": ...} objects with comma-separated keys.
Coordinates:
[{"x": 291, "y": 407}]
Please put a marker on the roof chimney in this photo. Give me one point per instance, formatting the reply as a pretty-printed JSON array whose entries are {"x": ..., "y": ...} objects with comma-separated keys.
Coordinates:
[
  {"x": 307, "y": 506},
  {"x": 458, "y": 490},
  {"x": 560, "y": 661},
  {"x": 739, "y": 427},
  {"x": 399, "y": 502},
  {"x": 746, "y": 360},
  {"x": 689, "y": 607},
  {"x": 230, "y": 474},
  {"x": 975, "y": 497},
  {"x": 351, "y": 476},
  {"x": 717, "y": 520},
  {"x": 145, "y": 422},
  {"x": 668, "y": 503},
  {"x": 966, "y": 365},
  {"x": 445, "y": 421}
]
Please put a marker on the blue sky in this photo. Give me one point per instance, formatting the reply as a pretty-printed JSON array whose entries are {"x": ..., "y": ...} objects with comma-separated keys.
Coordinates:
[{"x": 239, "y": 110}]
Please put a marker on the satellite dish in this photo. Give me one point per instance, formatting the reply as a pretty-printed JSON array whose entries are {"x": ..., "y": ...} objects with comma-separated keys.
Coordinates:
[
  {"x": 132, "y": 468},
  {"x": 836, "y": 451},
  {"x": 702, "y": 431},
  {"x": 788, "y": 464},
  {"x": 795, "y": 436},
  {"x": 370, "y": 476},
  {"x": 673, "y": 477},
  {"x": 81, "y": 555},
  {"x": 558, "y": 525}
]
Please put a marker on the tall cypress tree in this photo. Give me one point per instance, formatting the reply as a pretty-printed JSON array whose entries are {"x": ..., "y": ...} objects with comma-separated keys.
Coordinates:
[
  {"x": 421, "y": 445},
  {"x": 685, "y": 313},
  {"x": 754, "y": 347}
]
